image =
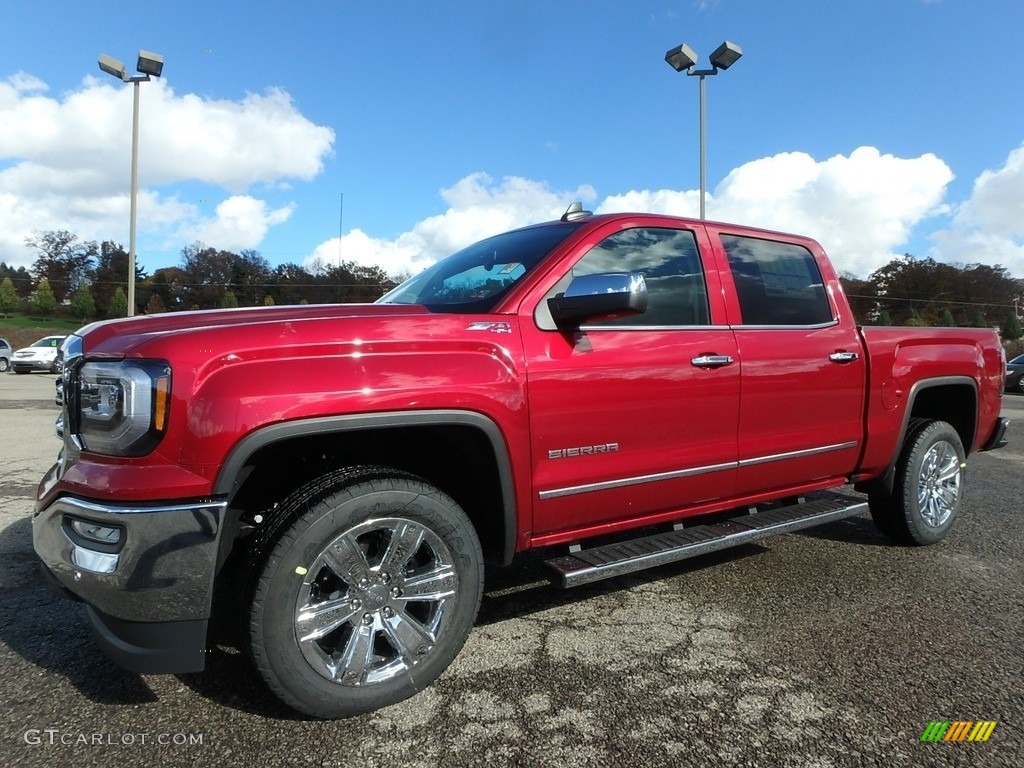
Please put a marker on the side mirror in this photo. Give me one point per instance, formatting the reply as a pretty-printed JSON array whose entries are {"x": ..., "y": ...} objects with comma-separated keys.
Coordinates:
[{"x": 589, "y": 296}]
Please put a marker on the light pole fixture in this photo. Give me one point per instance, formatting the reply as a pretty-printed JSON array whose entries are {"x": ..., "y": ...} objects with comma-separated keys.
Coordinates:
[
  {"x": 149, "y": 64},
  {"x": 683, "y": 59}
]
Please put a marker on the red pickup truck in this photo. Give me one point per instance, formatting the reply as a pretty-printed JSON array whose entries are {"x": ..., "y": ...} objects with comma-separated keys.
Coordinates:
[{"x": 336, "y": 476}]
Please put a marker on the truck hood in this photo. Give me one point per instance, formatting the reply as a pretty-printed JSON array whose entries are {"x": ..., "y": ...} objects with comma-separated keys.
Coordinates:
[{"x": 117, "y": 338}]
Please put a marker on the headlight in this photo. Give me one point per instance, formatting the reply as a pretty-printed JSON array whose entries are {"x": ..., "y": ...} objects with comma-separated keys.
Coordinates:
[{"x": 123, "y": 406}]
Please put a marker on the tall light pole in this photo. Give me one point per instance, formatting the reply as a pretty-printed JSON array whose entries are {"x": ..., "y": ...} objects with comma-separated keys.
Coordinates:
[
  {"x": 149, "y": 64},
  {"x": 682, "y": 58}
]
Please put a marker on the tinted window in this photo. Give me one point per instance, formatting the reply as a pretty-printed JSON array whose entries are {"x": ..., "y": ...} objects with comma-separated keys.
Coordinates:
[
  {"x": 777, "y": 283},
  {"x": 670, "y": 264}
]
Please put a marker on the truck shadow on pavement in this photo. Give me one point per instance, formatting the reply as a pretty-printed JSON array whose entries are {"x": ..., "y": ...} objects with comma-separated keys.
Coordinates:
[
  {"x": 852, "y": 530},
  {"x": 51, "y": 632}
]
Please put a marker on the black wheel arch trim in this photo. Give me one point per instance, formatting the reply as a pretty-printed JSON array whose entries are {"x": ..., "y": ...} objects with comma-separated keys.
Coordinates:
[
  {"x": 233, "y": 470},
  {"x": 885, "y": 482}
]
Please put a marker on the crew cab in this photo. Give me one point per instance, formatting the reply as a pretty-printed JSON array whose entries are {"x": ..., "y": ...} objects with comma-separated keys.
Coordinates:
[{"x": 334, "y": 477}]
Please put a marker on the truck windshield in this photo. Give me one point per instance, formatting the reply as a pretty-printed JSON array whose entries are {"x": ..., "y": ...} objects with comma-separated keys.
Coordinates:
[{"x": 476, "y": 278}]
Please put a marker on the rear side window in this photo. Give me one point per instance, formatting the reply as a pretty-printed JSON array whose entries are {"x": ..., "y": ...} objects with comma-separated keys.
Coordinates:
[{"x": 777, "y": 283}]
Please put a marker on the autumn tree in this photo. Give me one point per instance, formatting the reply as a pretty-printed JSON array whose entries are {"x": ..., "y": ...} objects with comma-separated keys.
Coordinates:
[
  {"x": 155, "y": 305},
  {"x": 64, "y": 261},
  {"x": 974, "y": 294},
  {"x": 170, "y": 284}
]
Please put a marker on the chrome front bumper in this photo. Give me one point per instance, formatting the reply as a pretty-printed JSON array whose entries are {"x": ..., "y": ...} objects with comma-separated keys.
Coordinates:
[{"x": 160, "y": 566}]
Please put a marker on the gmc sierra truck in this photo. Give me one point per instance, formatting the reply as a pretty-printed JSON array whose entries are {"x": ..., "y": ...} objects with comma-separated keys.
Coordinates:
[{"x": 622, "y": 390}]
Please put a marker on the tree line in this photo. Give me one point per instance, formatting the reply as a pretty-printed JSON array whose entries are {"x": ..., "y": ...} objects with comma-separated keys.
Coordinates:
[
  {"x": 90, "y": 279},
  {"x": 924, "y": 292}
]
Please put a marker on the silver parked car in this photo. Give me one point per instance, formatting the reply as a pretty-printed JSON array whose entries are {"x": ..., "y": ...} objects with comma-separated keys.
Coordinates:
[
  {"x": 41, "y": 356},
  {"x": 5, "y": 355}
]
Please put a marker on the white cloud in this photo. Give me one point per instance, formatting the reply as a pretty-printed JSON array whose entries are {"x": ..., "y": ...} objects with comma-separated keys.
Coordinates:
[
  {"x": 477, "y": 208},
  {"x": 861, "y": 207},
  {"x": 67, "y": 161},
  {"x": 241, "y": 222},
  {"x": 989, "y": 227}
]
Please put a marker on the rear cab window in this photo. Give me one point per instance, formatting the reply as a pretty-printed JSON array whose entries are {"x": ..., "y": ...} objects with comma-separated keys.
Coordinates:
[{"x": 777, "y": 283}]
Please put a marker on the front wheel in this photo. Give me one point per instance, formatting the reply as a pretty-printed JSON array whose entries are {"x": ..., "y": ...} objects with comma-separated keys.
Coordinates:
[
  {"x": 929, "y": 486},
  {"x": 368, "y": 596}
]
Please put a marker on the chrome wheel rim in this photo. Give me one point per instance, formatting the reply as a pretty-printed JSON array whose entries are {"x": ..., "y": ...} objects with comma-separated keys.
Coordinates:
[
  {"x": 938, "y": 485},
  {"x": 374, "y": 601}
]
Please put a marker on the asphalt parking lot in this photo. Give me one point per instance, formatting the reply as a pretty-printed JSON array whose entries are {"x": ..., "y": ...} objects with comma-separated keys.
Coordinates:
[{"x": 830, "y": 647}]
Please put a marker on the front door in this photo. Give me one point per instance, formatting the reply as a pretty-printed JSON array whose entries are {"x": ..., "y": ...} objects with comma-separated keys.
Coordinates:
[{"x": 633, "y": 416}]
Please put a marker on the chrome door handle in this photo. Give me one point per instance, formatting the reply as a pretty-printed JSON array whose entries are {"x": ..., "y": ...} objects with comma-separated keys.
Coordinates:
[
  {"x": 711, "y": 361},
  {"x": 843, "y": 357}
]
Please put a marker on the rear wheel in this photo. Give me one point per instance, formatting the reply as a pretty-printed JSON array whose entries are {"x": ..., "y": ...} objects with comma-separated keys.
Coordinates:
[
  {"x": 367, "y": 596},
  {"x": 4, "y": 365},
  {"x": 929, "y": 486}
]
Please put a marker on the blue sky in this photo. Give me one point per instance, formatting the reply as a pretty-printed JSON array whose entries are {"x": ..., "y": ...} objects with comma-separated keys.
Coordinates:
[{"x": 877, "y": 126}]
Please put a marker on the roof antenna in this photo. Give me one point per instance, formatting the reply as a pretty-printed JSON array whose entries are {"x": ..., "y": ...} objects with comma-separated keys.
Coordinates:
[{"x": 575, "y": 212}]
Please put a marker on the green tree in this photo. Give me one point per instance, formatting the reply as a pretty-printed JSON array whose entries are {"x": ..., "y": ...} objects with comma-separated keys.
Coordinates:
[
  {"x": 1011, "y": 327},
  {"x": 946, "y": 318},
  {"x": 45, "y": 303},
  {"x": 21, "y": 278},
  {"x": 916, "y": 321},
  {"x": 229, "y": 301},
  {"x": 82, "y": 303},
  {"x": 8, "y": 296},
  {"x": 118, "y": 306},
  {"x": 978, "y": 319},
  {"x": 268, "y": 301},
  {"x": 884, "y": 318}
]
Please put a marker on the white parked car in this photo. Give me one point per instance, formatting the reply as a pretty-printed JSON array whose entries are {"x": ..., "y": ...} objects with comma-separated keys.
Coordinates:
[
  {"x": 5, "y": 355},
  {"x": 41, "y": 356}
]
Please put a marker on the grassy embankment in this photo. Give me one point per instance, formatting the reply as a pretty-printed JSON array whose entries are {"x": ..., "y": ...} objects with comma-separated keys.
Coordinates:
[{"x": 22, "y": 330}]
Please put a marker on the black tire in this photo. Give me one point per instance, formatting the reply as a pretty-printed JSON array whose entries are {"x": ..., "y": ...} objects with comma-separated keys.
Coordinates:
[
  {"x": 332, "y": 628},
  {"x": 928, "y": 488},
  {"x": 4, "y": 365}
]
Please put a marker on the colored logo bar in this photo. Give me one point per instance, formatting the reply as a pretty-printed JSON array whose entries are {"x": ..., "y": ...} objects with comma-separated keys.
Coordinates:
[{"x": 959, "y": 730}]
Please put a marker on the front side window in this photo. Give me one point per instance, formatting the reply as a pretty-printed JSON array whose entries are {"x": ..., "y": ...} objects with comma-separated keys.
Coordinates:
[
  {"x": 777, "y": 283},
  {"x": 670, "y": 264},
  {"x": 476, "y": 278}
]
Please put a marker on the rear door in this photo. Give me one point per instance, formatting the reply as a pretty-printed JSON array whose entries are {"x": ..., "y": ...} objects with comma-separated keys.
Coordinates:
[
  {"x": 803, "y": 371},
  {"x": 627, "y": 418}
]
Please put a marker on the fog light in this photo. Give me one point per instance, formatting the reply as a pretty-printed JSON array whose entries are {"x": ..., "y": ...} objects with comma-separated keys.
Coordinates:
[{"x": 100, "y": 534}]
